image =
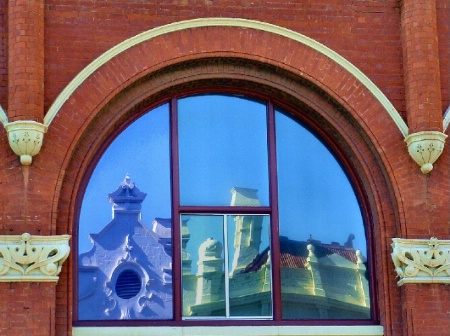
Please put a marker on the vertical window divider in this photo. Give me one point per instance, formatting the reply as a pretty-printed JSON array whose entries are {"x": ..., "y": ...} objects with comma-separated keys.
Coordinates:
[
  {"x": 274, "y": 227},
  {"x": 176, "y": 230},
  {"x": 225, "y": 266}
]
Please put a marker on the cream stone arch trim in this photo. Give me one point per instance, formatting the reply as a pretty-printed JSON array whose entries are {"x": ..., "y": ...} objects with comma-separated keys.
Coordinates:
[
  {"x": 224, "y": 22},
  {"x": 3, "y": 116},
  {"x": 446, "y": 119}
]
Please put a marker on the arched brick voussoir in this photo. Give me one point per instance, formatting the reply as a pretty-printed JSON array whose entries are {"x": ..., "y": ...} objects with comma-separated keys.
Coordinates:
[
  {"x": 249, "y": 39},
  {"x": 91, "y": 94},
  {"x": 241, "y": 72}
]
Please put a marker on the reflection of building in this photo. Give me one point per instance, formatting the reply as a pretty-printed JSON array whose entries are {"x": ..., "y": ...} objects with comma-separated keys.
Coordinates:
[
  {"x": 319, "y": 281},
  {"x": 128, "y": 271},
  {"x": 127, "y": 274},
  {"x": 323, "y": 281}
]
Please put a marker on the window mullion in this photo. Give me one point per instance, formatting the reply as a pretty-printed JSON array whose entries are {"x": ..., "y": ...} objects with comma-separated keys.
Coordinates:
[
  {"x": 176, "y": 231},
  {"x": 225, "y": 267},
  {"x": 274, "y": 229}
]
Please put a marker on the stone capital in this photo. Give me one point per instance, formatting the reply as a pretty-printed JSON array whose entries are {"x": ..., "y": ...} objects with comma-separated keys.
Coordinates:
[
  {"x": 29, "y": 258},
  {"x": 421, "y": 260}
]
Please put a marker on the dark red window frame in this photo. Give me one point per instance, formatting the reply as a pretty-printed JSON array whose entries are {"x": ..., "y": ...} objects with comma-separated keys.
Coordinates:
[{"x": 272, "y": 210}]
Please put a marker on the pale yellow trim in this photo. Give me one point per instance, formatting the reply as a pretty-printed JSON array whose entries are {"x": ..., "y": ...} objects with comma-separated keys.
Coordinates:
[
  {"x": 425, "y": 148},
  {"x": 25, "y": 138},
  {"x": 236, "y": 331},
  {"x": 229, "y": 22},
  {"x": 446, "y": 119},
  {"x": 30, "y": 258},
  {"x": 421, "y": 260},
  {"x": 3, "y": 116}
]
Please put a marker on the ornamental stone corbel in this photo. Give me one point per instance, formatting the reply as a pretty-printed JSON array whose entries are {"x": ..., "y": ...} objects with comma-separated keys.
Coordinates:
[
  {"x": 29, "y": 258},
  {"x": 425, "y": 148},
  {"x": 421, "y": 260},
  {"x": 25, "y": 138}
]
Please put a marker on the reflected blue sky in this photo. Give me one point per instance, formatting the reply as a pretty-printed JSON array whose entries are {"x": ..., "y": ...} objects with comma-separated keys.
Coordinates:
[
  {"x": 222, "y": 144},
  {"x": 142, "y": 151},
  {"x": 315, "y": 197}
]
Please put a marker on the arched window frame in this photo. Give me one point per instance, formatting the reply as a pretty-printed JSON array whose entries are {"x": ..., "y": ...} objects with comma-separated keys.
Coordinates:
[{"x": 177, "y": 209}]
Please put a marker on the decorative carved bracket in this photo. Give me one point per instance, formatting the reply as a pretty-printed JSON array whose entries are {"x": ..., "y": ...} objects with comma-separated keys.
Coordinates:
[
  {"x": 421, "y": 260},
  {"x": 25, "y": 139},
  {"x": 28, "y": 258},
  {"x": 425, "y": 148}
]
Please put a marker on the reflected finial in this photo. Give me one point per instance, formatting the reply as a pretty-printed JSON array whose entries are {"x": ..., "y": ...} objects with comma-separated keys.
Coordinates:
[
  {"x": 349, "y": 242},
  {"x": 127, "y": 182}
]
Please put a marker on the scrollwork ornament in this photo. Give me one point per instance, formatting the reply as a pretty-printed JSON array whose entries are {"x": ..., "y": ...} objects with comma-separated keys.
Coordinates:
[
  {"x": 421, "y": 260},
  {"x": 28, "y": 258}
]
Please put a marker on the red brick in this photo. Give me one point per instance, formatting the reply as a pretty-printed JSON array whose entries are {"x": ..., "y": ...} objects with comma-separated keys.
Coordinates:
[{"x": 387, "y": 42}]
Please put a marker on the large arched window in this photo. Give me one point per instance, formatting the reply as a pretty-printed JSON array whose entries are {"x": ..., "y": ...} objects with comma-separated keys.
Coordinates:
[{"x": 224, "y": 208}]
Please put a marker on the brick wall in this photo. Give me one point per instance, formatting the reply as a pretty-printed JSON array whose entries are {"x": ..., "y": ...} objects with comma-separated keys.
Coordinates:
[
  {"x": 29, "y": 310},
  {"x": 443, "y": 24},
  {"x": 3, "y": 54},
  {"x": 357, "y": 29},
  {"x": 25, "y": 60},
  {"x": 44, "y": 198}
]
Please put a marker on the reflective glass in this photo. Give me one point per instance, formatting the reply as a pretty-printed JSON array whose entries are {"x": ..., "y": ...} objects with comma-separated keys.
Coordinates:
[
  {"x": 125, "y": 245},
  {"x": 222, "y": 144},
  {"x": 322, "y": 237},
  {"x": 125, "y": 255},
  {"x": 203, "y": 260},
  {"x": 226, "y": 266},
  {"x": 250, "y": 276}
]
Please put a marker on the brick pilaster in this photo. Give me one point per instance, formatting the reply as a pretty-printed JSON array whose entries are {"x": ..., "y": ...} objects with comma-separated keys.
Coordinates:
[
  {"x": 30, "y": 309},
  {"x": 421, "y": 65},
  {"x": 425, "y": 309},
  {"x": 26, "y": 60},
  {"x": 424, "y": 306}
]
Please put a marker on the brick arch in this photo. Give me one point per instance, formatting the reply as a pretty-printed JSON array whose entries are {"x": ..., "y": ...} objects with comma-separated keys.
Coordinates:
[
  {"x": 284, "y": 50},
  {"x": 262, "y": 47},
  {"x": 224, "y": 74},
  {"x": 225, "y": 57}
]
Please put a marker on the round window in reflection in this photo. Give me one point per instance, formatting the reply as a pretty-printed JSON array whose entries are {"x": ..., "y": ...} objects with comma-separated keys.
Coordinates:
[{"x": 128, "y": 284}]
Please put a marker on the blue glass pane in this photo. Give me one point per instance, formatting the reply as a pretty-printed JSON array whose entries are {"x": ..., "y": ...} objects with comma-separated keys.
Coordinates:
[
  {"x": 125, "y": 245},
  {"x": 222, "y": 145},
  {"x": 322, "y": 236}
]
